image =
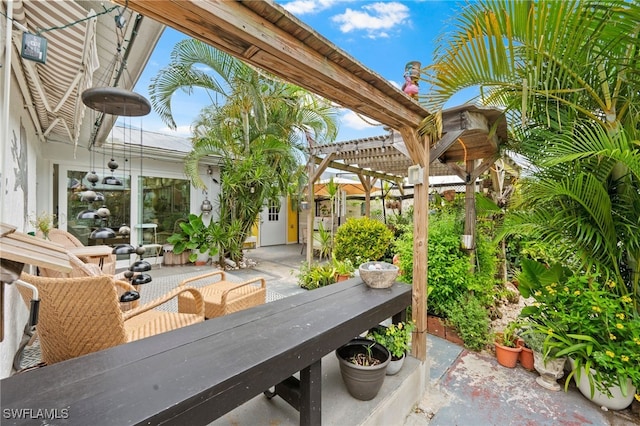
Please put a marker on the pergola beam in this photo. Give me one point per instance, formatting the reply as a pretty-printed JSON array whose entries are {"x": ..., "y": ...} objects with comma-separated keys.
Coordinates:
[{"x": 264, "y": 35}]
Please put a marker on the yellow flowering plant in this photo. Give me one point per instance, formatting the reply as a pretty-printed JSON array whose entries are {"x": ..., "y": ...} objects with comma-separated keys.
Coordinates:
[
  {"x": 395, "y": 337},
  {"x": 587, "y": 319}
]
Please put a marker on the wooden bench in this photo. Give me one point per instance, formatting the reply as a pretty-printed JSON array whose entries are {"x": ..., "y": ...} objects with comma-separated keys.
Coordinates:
[{"x": 198, "y": 373}]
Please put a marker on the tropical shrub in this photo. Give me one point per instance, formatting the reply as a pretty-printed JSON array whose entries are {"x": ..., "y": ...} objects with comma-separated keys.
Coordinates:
[
  {"x": 361, "y": 240},
  {"x": 196, "y": 236},
  {"x": 471, "y": 321},
  {"x": 585, "y": 318},
  {"x": 448, "y": 273}
]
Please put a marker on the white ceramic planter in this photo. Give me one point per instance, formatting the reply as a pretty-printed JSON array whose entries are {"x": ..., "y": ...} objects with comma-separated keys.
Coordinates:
[
  {"x": 617, "y": 401},
  {"x": 395, "y": 365}
]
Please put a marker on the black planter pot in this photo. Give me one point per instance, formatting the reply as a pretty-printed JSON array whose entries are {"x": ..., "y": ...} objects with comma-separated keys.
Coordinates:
[{"x": 363, "y": 382}]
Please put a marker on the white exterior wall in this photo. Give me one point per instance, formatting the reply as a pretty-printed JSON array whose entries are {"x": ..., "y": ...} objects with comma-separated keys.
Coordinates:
[
  {"x": 20, "y": 171},
  {"x": 26, "y": 184}
]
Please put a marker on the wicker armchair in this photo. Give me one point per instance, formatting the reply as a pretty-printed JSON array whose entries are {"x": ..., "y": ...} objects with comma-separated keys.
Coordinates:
[
  {"x": 223, "y": 297},
  {"x": 82, "y": 315},
  {"x": 68, "y": 240},
  {"x": 82, "y": 269}
]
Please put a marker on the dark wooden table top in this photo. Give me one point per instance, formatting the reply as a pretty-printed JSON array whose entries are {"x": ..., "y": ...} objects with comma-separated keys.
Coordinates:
[{"x": 198, "y": 373}]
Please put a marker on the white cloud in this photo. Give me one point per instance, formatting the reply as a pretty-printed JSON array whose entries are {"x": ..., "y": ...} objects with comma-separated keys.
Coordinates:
[
  {"x": 182, "y": 130},
  {"x": 376, "y": 18},
  {"x": 354, "y": 121},
  {"x": 303, "y": 7}
]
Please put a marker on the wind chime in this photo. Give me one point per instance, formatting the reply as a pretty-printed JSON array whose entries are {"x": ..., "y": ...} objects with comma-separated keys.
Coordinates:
[{"x": 118, "y": 101}]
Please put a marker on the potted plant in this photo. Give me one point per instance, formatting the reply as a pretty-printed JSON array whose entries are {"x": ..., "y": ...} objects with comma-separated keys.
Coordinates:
[
  {"x": 363, "y": 365},
  {"x": 343, "y": 269},
  {"x": 547, "y": 364},
  {"x": 315, "y": 275},
  {"x": 43, "y": 223},
  {"x": 507, "y": 352},
  {"x": 593, "y": 322},
  {"x": 396, "y": 338},
  {"x": 196, "y": 236}
]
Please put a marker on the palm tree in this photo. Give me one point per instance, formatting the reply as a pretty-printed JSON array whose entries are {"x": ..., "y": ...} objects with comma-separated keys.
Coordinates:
[
  {"x": 568, "y": 74},
  {"x": 257, "y": 128}
]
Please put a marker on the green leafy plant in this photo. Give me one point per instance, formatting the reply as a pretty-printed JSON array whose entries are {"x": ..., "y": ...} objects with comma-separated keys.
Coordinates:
[
  {"x": 508, "y": 336},
  {"x": 312, "y": 276},
  {"x": 471, "y": 321},
  {"x": 326, "y": 241},
  {"x": 395, "y": 337},
  {"x": 342, "y": 267},
  {"x": 362, "y": 239},
  {"x": 586, "y": 319},
  {"x": 196, "y": 236},
  {"x": 365, "y": 359}
]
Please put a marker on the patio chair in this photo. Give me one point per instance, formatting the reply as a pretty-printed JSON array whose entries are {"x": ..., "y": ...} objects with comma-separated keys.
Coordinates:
[
  {"x": 82, "y": 315},
  {"x": 223, "y": 297},
  {"x": 68, "y": 240},
  {"x": 82, "y": 269}
]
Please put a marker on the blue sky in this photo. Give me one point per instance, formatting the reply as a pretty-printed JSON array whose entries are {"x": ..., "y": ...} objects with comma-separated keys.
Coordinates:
[{"x": 382, "y": 35}]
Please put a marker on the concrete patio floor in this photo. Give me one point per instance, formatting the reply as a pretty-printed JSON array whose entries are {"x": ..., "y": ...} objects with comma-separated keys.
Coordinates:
[{"x": 454, "y": 386}]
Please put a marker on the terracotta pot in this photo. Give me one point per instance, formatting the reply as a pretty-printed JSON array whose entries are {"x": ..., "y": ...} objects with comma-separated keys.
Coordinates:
[
  {"x": 507, "y": 357},
  {"x": 526, "y": 356},
  {"x": 342, "y": 277}
]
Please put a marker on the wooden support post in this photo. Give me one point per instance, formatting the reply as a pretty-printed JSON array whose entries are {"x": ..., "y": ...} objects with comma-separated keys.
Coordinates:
[{"x": 420, "y": 155}]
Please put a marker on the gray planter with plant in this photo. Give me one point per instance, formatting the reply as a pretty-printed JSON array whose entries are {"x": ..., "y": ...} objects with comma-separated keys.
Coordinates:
[{"x": 363, "y": 365}]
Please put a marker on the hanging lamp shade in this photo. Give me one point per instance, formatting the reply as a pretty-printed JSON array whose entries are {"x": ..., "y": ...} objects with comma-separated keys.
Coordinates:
[
  {"x": 125, "y": 230},
  {"x": 140, "y": 266},
  {"x": 88, "y": 214},
  {"x": 116, "y": 101},
  {"x": 102, "y": 233},
  {"x": 99, "y": 197},
  {"x": 141, "y": 279},
  {"x": 124, "y": 249}
]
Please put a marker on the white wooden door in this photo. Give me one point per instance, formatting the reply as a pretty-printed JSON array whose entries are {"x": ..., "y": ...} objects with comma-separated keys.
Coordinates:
[{"x": 273, "y": 224}]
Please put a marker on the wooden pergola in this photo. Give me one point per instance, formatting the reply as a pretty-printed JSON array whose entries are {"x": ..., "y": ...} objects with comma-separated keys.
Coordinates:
[{"x": 265, "y": 35}]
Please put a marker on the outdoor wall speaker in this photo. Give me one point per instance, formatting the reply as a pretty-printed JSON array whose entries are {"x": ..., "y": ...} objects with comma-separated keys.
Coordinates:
[
  {"x": 34, "y": 48},
  {"x": 415, "y": 175}
]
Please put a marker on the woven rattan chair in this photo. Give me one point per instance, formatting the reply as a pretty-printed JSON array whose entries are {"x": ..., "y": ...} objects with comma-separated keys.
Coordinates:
[
  {"x": 223, "y": 297},
  {"x": 82, "y": 269},
  {"x": 82, "y": 315},
  {"x": 68, "y": 240}
]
